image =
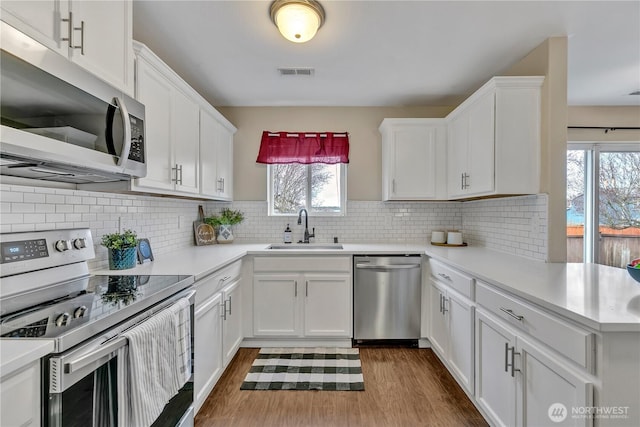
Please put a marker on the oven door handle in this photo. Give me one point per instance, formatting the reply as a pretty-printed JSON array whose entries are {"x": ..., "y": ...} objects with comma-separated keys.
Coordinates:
[
  {"x": 86, "y": 359},
  {"x": 75, "y": 364}
]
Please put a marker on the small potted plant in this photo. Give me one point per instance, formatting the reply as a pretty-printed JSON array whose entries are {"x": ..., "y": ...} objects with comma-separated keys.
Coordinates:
[
  {"x": 121, "y": 248},
  {"x": 223, "y": 222}
]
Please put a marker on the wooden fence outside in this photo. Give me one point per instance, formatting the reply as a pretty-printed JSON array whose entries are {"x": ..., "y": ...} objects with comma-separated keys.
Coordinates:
[{"x": 616, "y": 251}]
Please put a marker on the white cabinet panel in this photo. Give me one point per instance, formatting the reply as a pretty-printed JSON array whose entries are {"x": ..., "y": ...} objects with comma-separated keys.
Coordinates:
[
  {"x": 452, "y": 334},
  {"x": 207, "y": 347},
  {"x": 155, "y": 92},
  {"x": 216, "y": 157},
  {"x": 438, "y": 334},
  {"x": 232, "y": 326},
  {"x": 545, "y": 382},
  {"x": 20, "y": 397},
  {"x": 97, "y": 35},
  {"x": 327, "y": 306},
  {"x": 413, "y": 159},
  {"x": 275, "y": 305},
  {"x": 106, "y": 38},
  {"x": 186, "y": 142},
  {"x": 495, "y": 387}
]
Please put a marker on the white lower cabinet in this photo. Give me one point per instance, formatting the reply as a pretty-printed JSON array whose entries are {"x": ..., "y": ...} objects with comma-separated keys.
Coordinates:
[
  {"x": 327, "y": 305},
  {"x": 217, "y": 329},
  {"x": 302, "y": 297},
  {"x": 275, "y": 305},
  {"x": 519, "y": 383},
  {"x": 451, "y": 332},
  {"x": 232, "y": 321},
  {"x": 207, "y": 364},
  {"x": 20, "y": 397},
  {"x": 495, "y": 387}
]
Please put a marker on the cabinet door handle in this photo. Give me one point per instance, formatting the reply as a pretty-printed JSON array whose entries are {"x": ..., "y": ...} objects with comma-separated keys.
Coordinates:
[
  {"x": 513, "y": 364},
  {"x": 229, "y": 307},
  {"x": 445, "y": 276},
  {"x": 175, "y": 168},
  {"x": 506, "y": 357},
  {"x": 462, "y": 181},
  {"x": 466, "y": 184},
  {"x": 444, "y": 304},
  {"x": 69, "y": 22},
  {"x": 510, "y": 363},
  {"x": 306, "y": 288},
  {"x": 295, "y": 291},
  {"x": 224, "y": 310},
  {"x": 393, "y": 186},
  {"x": 510, "y": 312},
  {"x": 222, "y": 184},
  {"x": 81, "y": 45}
]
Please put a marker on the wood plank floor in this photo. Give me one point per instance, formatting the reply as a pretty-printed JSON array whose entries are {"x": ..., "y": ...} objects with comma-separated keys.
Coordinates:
[{"x": 403, "y": 387}]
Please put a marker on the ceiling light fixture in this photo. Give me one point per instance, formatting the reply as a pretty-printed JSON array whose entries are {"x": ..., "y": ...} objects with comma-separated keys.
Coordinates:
[{"x": 297, "y": 20}]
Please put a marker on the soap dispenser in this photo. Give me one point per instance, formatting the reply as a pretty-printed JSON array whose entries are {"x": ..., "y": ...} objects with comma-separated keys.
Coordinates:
[{"x": 287, "y": 234}]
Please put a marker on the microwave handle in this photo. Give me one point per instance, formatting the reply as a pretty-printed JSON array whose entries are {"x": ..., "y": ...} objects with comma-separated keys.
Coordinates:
[{"x": 126, "y": 125}]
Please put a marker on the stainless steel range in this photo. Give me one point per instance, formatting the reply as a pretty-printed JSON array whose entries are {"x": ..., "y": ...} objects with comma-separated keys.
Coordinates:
[{"x": 48, "y": 293}]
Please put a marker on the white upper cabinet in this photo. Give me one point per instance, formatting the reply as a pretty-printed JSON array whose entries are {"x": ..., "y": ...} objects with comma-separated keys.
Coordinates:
[
  {"x": 95, "y": 34},
  {"x": 494, "y": 140},
  {"x": 413, "y": 159},
  {"x": 172, "y": 121},
  {"x": 216, "y": 156}
]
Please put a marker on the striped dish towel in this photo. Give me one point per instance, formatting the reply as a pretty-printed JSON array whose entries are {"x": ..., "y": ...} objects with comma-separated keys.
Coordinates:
[{"x": 154, "y": 365}]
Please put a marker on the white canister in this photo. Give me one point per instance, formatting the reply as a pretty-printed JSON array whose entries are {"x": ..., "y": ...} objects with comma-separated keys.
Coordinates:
[
  {"x": 454, "y": 238},
  {"x": 438, "y": 237}
]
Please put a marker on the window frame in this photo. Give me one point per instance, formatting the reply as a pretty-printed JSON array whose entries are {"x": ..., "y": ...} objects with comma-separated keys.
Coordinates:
[
  {"x": 343, "y": 194},
  {"x": 592, "y": 151}
]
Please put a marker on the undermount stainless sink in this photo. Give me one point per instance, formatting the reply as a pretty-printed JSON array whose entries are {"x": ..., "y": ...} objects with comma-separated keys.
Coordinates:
[{"x": 307, "y": 246}]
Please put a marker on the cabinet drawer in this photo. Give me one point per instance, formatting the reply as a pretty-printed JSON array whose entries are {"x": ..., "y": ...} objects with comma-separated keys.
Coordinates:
[
  {"x": 571, "y": 341},
  {"x": 460, "y": 282},
  {"x": 307, "y": 264},
  {"x": 216, "y": 281}
]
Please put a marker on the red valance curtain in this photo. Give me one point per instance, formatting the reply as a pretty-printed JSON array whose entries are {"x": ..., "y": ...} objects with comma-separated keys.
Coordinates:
[{"x": 304, "y": 147}]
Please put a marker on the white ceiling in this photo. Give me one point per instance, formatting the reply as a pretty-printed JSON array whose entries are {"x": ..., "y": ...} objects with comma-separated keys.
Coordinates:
[{"x": 390, "y": 53}]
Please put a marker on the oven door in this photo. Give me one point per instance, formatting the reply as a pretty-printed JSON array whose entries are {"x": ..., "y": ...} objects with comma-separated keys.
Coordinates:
[{"x": 81, "y": 385}]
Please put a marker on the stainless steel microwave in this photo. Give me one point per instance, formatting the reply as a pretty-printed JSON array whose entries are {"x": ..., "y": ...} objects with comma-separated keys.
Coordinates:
[{"x": 61, "y": 123}]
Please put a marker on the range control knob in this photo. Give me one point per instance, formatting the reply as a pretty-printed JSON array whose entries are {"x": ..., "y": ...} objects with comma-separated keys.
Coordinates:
[
  {"x": 63, "y": 245},
  {"x": 79, "y": 312},
  {"x": 80, "y": 243},
  {"x": 63, "y": 319}
]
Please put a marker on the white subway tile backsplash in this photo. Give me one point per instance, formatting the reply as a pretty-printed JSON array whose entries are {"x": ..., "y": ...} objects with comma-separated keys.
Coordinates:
[{"x": 516, "y": 225}]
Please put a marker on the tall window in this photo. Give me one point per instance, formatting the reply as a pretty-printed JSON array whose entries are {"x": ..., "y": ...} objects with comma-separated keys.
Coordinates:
[
  {"x": 603, "y": 203},
  {"x": 319, "y": 188}
]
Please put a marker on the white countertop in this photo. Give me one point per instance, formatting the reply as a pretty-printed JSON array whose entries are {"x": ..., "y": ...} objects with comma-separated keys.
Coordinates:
[
  {"x": 602, "y": 298},
  {"x": 18, "y": 353}
]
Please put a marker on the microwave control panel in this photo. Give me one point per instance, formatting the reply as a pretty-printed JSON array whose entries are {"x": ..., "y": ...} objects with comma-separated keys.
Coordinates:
[{"x": 137, "y": 139}]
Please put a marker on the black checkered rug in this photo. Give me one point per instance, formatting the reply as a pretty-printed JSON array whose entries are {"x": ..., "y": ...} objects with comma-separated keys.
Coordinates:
[{"x": 305, "y": 369}]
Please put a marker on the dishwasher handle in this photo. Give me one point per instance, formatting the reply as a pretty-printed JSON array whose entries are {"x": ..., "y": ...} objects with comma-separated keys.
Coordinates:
[{"x": 388, "y": 266}]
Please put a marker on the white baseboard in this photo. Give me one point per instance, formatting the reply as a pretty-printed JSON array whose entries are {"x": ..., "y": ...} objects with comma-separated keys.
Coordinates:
[{"x": 294, "y": 342}]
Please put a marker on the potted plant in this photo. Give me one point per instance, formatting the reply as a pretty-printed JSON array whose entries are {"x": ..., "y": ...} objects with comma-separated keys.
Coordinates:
[
  {"x": 121, "y": 248},
  {"x": 223, "y": 222}
]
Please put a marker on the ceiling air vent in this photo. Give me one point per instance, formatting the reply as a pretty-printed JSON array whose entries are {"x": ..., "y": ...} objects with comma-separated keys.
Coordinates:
[{"x": 296, "y": 71}]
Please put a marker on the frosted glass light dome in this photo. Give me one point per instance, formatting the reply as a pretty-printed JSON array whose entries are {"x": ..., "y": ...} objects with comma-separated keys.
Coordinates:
[{"x": 298, "y": 21}]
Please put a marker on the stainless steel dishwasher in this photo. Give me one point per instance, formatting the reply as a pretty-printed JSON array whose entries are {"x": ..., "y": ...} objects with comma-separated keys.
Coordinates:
[{"x": 387, "y": 291}]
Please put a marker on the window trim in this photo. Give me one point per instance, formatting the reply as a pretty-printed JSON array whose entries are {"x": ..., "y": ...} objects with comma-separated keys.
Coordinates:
[
  {"x": 343, "y": 194},
  {"x": 592, "y": 151}
]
